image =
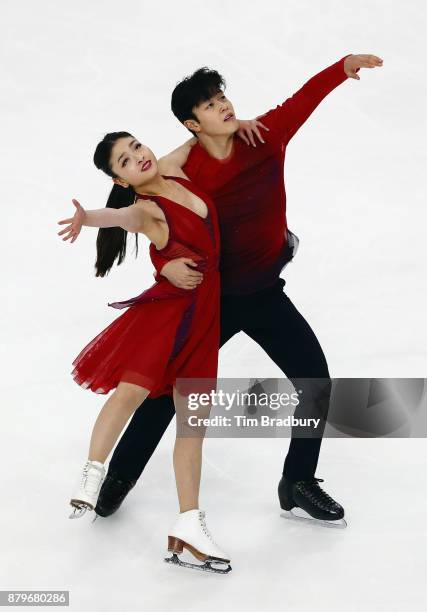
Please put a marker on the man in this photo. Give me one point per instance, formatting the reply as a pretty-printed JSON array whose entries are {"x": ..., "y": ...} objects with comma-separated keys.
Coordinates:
[{"x": 247, "y": 186}]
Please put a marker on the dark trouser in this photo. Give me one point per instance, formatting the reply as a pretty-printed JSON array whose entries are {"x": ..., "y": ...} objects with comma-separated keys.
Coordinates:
[{"x": 270, "y": 318}]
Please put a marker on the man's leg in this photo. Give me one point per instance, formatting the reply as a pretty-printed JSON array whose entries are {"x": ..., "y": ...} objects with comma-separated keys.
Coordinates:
[
  {"x": 133, "y": 451},
  {"x": 145, "y": 431},
  {"x": 142, "y": 436},
  {"x": 277, "y": 326}
]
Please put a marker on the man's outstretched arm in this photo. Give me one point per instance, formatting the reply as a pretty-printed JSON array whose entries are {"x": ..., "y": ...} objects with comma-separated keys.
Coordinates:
[{"x": 292, "y": 114}]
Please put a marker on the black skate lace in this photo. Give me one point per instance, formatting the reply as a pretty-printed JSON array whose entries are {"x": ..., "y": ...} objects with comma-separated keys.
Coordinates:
[
  {"x": 312, "y": 490},
  {"x": 90, "y": 482}
]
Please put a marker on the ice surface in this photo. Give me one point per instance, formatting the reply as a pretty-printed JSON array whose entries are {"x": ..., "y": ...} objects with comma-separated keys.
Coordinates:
[{"x": 355, "y": 180}]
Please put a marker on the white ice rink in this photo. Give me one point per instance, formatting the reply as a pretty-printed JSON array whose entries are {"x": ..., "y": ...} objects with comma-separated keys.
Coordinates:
[{"x": 355, "y": 174}]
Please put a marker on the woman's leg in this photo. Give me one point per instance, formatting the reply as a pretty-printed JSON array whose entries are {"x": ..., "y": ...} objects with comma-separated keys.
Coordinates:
[
  {"x": 187, "y": 455},
  {"x": 113, "y": 417},
  {"x": 190, "y": 530}
]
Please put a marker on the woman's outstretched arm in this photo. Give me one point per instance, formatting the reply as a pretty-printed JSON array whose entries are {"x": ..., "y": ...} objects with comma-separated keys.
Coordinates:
[{"x": 131, "y": 218}]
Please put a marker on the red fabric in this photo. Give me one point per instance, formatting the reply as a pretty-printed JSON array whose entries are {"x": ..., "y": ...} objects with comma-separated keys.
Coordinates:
[
  {"x": 166, "y": 333},
  {"x": 249, "y": 193}
]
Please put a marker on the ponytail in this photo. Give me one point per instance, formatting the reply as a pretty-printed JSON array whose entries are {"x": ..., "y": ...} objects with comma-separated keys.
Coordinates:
[{"x": 111, "y": 241}]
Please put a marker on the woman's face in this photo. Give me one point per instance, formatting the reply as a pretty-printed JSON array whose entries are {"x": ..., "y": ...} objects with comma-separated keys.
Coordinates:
[{"x": 134, "y": 163}]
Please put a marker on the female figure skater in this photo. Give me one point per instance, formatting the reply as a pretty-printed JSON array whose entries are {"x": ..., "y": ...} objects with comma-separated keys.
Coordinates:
[{"x": 166, "y": 333}]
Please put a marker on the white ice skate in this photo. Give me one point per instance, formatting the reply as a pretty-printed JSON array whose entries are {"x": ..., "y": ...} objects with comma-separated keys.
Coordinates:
[
  {"x": 90, "y": 485},
  {"x": 190, "y": 532}
]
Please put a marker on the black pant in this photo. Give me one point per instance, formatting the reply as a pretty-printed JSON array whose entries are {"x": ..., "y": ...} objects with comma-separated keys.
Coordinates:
[{"x": 269, "y": 317}]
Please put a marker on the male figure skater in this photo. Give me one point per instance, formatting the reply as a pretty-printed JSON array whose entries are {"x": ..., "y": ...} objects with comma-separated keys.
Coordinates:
[{"x": 247, "y": 186}]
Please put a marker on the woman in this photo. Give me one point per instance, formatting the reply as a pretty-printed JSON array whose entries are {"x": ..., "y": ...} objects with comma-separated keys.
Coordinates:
[{"x": 167, "y": 333}]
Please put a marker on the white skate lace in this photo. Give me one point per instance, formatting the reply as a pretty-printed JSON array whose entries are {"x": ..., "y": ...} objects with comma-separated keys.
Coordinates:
[
  {"x": 204, "y": 526},
  {"x": 91, "y": 480}
]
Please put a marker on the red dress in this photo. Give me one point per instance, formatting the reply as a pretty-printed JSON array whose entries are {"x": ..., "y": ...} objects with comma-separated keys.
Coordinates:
[{"x": 167, "y": 332}]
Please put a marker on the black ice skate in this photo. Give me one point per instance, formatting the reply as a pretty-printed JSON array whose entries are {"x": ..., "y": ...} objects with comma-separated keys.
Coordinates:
[
  {"x": 305, "y": 500},
  {"x": 113, "y": 491}
]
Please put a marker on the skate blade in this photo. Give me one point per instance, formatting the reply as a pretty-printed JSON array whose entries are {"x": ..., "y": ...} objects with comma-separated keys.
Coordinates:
[
  {"x": 298, "y": 514},
  {"x": 208, "y": 566},
  {"x": 79, "y": 511}
]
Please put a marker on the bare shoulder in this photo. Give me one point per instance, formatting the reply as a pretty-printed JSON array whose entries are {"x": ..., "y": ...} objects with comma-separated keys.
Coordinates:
[
  {"x": 151, "y": 210},
  {"x": 168, "y": 167},
  {"x": 173, "y": 162},
  {"x": 153, "y": 222},
  {"x": 175, "y": 171}
]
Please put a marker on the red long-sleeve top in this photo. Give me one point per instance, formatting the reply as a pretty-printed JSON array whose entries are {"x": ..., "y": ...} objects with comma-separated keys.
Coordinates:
[{"x": 249, "y": 192}]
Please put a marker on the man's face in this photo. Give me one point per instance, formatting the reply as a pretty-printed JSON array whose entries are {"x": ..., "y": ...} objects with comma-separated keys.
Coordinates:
[{"x": 215, "y": 117}]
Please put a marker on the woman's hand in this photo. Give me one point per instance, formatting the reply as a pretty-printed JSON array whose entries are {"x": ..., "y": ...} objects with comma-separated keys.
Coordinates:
[
  {"x": 74, "y": 223},
  {"x": 247, "y": 129}
]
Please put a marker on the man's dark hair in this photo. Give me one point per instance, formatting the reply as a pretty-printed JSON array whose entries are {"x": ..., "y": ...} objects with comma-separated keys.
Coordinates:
[{"x": 194, "y": 89}]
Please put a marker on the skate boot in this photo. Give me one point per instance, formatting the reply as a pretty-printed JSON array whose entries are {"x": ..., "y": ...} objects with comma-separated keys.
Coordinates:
[
  {"x": 87, "y": 494},
  {"x": 310, "y": 503},
  {"x": 190, "y": 532},
  {"x": 113, "y": 491}
]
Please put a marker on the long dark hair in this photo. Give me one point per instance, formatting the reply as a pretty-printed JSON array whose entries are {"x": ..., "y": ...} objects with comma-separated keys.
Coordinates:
[{"x": 111, "y": 241}]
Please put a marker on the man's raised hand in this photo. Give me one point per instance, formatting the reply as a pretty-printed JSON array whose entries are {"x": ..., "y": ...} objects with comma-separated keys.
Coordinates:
[{"x": 353, "y": 63}]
